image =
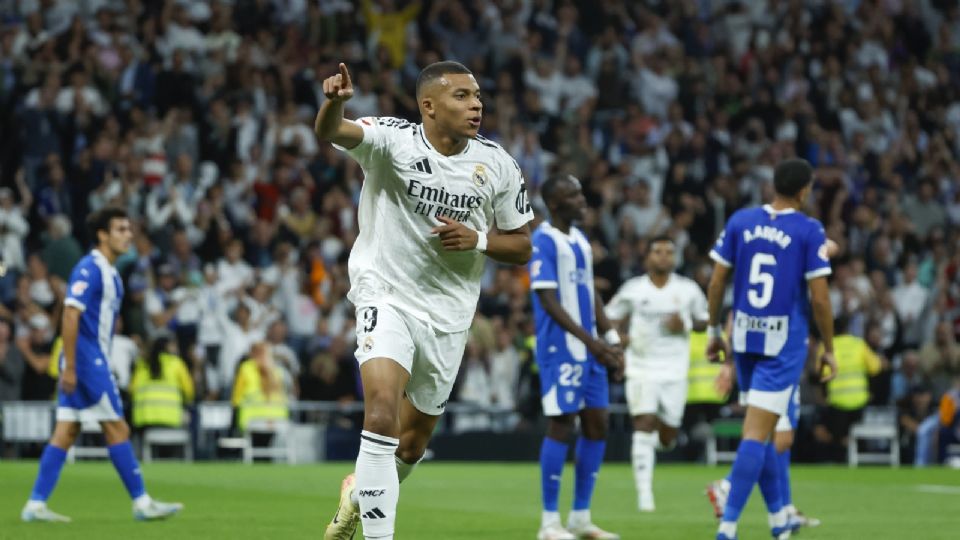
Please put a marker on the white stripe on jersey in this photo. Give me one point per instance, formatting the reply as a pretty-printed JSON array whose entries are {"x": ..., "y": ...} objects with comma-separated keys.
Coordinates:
[
  {"x": 568, "y": 288},
  {"x": 107, "y": 300}
]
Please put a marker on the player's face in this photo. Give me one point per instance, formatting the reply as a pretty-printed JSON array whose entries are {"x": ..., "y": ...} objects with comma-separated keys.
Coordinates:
[
  {"x": 120, "y": 236},
  {"x": 456, "y": 104},
  {"x": 662, "y": 258},
  {"x": 569, "y": 203}
]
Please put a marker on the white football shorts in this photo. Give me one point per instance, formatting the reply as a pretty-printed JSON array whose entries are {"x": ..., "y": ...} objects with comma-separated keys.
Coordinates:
[
  {"x": 431, "y": 357},
  {"x": 665, "y": 399}
]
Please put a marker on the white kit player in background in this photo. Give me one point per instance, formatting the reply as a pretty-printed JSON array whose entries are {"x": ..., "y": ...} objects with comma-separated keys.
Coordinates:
[
  {"x": 437, "y": 200},
  {"x": 663, "y": 307}
]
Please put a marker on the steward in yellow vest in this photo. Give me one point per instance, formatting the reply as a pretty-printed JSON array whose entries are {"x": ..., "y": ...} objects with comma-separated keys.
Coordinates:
[
  {"x": 258, "y": 392},
  {"x": 856, "y": 363},
  {"x": 160, "y": 387},
  {"x": 701, "y": 379}
]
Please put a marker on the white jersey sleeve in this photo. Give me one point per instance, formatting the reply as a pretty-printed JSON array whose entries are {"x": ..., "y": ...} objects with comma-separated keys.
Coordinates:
[
  {"x": 380, "y": 134},
  {"x": 511, "y": 205},
  {"x": 621, "y": 305}
]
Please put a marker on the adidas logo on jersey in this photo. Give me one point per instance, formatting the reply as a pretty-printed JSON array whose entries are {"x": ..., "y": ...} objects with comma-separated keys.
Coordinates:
[
  {"x": 374, "y": 514},
  {"x": 423, "y": 166}
]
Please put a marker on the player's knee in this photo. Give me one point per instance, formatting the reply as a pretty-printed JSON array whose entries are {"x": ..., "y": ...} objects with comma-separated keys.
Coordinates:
[
  {"x": 410, "y": 452},
  {"x": 65, "y": 435},
  {"x": 381, "y": 415},
  {"x": 645, "y": 422},
  {"x": 782, "y": 441}
]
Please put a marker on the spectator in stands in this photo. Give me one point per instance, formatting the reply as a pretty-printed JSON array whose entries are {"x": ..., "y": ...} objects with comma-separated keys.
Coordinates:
[
  {"x": 61, "y": 251},
  {"x": 914, "y": 409},
  {"x": 12, "y": 365},
  {"x": 940, "y": 358}
]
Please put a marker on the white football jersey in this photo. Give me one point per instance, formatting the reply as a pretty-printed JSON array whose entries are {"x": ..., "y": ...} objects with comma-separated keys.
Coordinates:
[
  {"x": 407, "y": 185},
  {"x": 653, "y": 352}
]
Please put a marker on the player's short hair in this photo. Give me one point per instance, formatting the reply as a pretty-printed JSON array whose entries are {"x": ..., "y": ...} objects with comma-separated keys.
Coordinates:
[
  {"x": 549, "y": 188},
  {"x": 100, "y": 220},
  {"x": 791, "y": 176},
  {"x": 438, "y": 69},
  {"x": 656, "y": 240}
]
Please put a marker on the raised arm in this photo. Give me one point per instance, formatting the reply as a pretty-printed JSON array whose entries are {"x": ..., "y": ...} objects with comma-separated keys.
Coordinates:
[{"x": 330, "y": 125}]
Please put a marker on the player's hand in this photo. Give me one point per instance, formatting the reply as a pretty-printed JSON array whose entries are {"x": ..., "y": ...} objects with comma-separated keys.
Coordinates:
[
  {"x": 827, "y": 360},
  {"x": 673, "y": 323},
  {"x": 716, "y": 346},
  {"x": 608, "y": 355},
  {"x": 68, "y": 380},
  {"x": 338, "y": 88},
  {"x": 724, "y": 381},
  {"x": 455, "y": 236}
]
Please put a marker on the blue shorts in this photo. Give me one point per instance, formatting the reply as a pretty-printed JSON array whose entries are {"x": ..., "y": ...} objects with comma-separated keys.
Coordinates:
[
  {"x": 95, "y": 399},
  {"x": 768, "y": 382},
  {"x": 568, "y": 386}
]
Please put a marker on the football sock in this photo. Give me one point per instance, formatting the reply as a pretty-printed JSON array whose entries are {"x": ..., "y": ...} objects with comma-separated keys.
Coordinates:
[
  {"x": 552, "y": 456},
  {"x": 643, "y": 458},
  {"x": 589, "y": 458},
  {"x": 378, "y": 486},
  {"x": 743, "y": 476},
  {"x": 125, "y": 463},
  {"x": 770, "y": 487},
  {"x": 51, "y": 463},
  {"x": 404, "y": 469},
  {"x": 786, "y": 497}
]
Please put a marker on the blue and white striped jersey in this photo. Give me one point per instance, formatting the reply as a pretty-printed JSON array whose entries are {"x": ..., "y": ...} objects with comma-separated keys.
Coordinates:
[
  {"x": 773, "y": 255},
  {"x": 95, "y": 288},
  {"x": 565, "y": 263}
]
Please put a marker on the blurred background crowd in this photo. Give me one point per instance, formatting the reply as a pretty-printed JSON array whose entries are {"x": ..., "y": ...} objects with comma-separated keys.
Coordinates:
[{"x": 197, "y": 118}]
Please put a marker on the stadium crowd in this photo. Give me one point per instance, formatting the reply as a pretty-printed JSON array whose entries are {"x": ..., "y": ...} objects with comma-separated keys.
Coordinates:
[{"x": 197, "y": 118}]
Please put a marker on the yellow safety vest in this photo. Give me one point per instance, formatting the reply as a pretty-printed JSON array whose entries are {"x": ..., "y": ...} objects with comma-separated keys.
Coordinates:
[
  {"x": 159, "y": 402},
  {"x": 251, "y": 401},
  {"x": 856, "y": 362},
  {"x": 703, "y": 373}
]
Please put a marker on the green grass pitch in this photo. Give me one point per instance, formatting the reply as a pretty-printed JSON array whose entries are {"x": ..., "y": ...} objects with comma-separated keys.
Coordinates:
[{"x": 472, "y": 501}]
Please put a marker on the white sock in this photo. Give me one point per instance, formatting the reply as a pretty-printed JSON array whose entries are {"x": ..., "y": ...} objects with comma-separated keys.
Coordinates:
[
  {"x": 791, "y": 510},
  {"x": 728, "y": 528},
  {"x": 549, "y": 518},
  {"x": 33, "y": 506},
  {"x": 643, "y": 457},
  {"x": 579, "y": 517},
  {"x": 777, "y": 519},
  {"x": 404, "y": 469},
  {"x": 142, "y": 501},
  {"x": 378, "y": 487}
]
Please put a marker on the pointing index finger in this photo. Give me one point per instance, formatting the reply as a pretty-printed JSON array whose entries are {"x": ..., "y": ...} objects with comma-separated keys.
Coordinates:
[{"x": 344, "y": 75}]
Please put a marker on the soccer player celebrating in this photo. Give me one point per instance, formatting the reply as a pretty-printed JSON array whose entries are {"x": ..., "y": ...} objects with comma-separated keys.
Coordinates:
[
  {"x": 663, "y": 307},
  {"x": 88, "y": 392},
  {"x": 776, "y": 253},
  {"x": 573, "y": 361},
  {"x": 431, "y": 196}
]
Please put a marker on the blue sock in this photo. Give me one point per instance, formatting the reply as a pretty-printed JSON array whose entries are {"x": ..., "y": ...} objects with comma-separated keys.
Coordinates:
[
  {"x": 127, "y": 467},
  {"x": 51, "y": 463},
  {"x": 770, "y": 479},
  {"x": 743, "y": 476},
  {"x": 552, "y": 456},
  {"x": 589, "y": 458},
  {"x": 786, "y": 497}
]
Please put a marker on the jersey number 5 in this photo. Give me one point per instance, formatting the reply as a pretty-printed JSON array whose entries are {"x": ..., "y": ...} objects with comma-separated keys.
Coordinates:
[{"x": 760, "y": 298}]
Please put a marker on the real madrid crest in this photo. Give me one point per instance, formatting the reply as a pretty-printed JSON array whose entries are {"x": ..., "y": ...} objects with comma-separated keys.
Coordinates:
[{"x": 480, "y": 176}]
